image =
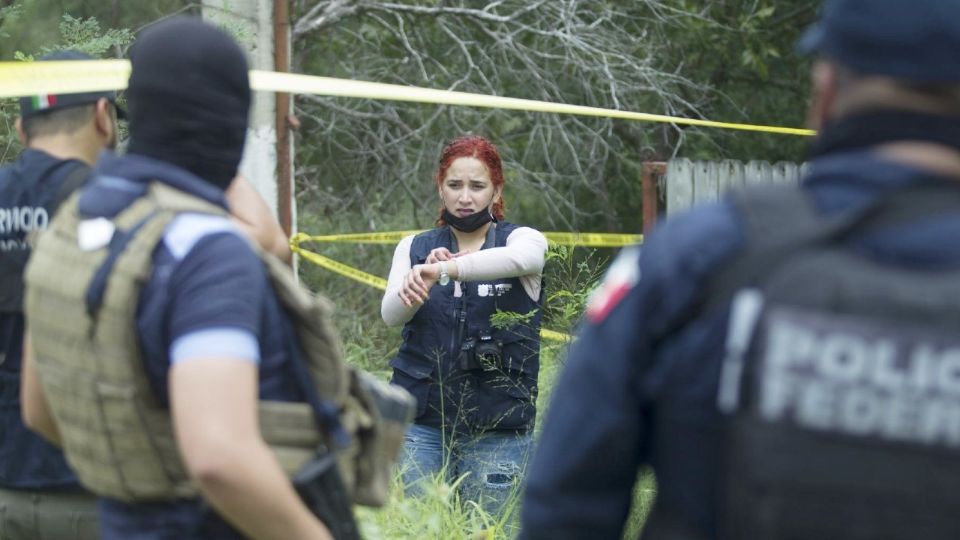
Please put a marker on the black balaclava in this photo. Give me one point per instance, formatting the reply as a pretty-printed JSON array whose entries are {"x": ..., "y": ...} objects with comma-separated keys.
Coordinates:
[{"x": 189, "y": 98}]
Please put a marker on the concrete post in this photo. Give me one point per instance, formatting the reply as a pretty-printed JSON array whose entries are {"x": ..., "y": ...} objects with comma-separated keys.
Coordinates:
[{"x": 251, "y": 21}]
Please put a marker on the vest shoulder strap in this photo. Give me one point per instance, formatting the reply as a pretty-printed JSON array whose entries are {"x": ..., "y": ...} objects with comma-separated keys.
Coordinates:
[
  {"x": 139, "y": 229},
  {"x": 77, "y": 177}
]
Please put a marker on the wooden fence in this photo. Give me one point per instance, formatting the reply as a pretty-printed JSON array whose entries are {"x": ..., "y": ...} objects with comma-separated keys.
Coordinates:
[{"x": 690, "y": 182}]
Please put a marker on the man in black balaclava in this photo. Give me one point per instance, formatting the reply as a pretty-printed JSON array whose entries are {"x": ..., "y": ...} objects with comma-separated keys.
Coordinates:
[
  {"x": 198, "y": 85},
  {"x": 211, "y": 336},
  {"x": 189, "y": 100}
]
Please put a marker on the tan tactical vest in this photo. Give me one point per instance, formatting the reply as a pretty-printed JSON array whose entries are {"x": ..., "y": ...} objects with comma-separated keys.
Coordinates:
[{"x": 116, "y": 436}]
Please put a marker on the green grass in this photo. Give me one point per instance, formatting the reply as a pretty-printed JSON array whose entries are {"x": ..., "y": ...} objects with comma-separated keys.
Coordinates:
[{"x": 437, "y": 513}]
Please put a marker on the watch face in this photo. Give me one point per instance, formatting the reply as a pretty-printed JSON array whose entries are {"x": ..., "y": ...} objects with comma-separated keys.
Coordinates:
[{"x": 444, "y": 276}]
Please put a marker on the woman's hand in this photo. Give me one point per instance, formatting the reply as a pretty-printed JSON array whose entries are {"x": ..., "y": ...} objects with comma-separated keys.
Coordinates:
[
  {"x": 443, "y": 254},
  {"x": 417, "y": 283}
]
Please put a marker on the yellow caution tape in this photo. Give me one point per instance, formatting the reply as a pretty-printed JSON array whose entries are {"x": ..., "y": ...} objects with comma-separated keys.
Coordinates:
[
  {"x": 555, "y": 336},
  {"x": 30, "y": 78},
  {"x": 380, "y": 283},
  {"x": 340, "y": 268},
  {"x": 360, "y": 238},
  {"x": 307, "y": 84},
  {"x": 564, "y": 238},
  {"x": 593, "y": 239}
]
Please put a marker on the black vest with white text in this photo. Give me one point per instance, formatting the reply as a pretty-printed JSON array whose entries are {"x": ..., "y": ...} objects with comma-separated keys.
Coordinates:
[
  {"x": 841, "y": 379},
  {"x": 439, "y": 353},
  {"x": 31, "y": 190}
]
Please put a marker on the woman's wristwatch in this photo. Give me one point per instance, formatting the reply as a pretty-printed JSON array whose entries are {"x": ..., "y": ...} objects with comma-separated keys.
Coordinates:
[{"x": 444, "y": 276}]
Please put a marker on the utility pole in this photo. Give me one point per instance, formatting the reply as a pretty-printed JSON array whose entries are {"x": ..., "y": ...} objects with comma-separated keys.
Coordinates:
[{"x": 262, "y": 28}]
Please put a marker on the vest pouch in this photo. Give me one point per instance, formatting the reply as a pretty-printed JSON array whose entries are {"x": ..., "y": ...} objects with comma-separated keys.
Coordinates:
[
  {"x": 413, "y": 378},
  {"x": 154, "y": 471},
  {"x": 390, "y": 410},
  {"x": 502, "y": 399},
  {"x": 518, "y": 352}
]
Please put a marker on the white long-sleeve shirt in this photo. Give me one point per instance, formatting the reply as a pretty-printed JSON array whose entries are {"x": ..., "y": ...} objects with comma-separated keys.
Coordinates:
[{"x": 522, "y": 256}]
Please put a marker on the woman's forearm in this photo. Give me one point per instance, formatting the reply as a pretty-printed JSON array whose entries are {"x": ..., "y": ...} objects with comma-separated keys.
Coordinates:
[
  {"x": 523, "y": 255},
  {"x": 392, "y": 308}
]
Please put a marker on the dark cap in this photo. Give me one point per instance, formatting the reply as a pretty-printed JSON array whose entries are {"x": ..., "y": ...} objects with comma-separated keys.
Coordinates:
[
  {"x": 912, "y": 40},
  {"x": 40, "y": 103}
]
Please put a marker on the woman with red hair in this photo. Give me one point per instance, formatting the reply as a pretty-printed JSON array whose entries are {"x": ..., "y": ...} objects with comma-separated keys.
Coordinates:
[{"x": 475, "y": 381}]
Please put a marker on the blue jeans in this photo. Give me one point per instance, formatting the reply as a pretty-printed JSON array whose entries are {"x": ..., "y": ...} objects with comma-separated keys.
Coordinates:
[{"x": 493, "y": 462}]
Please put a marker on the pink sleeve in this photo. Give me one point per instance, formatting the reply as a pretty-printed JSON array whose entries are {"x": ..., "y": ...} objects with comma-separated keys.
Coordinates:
[
  {"x": 522, "y": 257},
  {"x": 392, "y": 310}
]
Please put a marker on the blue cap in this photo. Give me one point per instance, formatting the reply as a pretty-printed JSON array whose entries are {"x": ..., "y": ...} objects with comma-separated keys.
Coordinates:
[
  {"x": 912, "y": 40},
  {"x": 40, "y": 103}
]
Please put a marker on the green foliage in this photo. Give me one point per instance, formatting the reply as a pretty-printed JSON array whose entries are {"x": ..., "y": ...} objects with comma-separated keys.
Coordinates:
[
  {"x": 744, "y": 49},
  {"x": 85, "y": 35},
  {"x": 570, "y": 276},
  {"x": 40, "y": 23},
  {"x": 9, "y": 15},
  {"x": 505, "y": 320}
]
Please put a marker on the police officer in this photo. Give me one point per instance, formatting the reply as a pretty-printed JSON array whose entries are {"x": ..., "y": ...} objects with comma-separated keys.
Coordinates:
[
  {"x": 39, "y": 495},
  {"x": 785, "y": 360},
  {"x": 159, "y": 414}
]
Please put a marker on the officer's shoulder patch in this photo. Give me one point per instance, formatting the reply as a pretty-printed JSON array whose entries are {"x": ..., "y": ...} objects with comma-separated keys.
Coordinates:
[{"x": 621, "y": 277}]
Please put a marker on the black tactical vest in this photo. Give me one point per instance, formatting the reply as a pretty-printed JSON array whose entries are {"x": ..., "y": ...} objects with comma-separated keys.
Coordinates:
[
  {"x": 841, "y": 379},
  {"x": 30, "y": 192},
  {"x": 453, "y": 360},
  {"x": 26, "y": 207}
]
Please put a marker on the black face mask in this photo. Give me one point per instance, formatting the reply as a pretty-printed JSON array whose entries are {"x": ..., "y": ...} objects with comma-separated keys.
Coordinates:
[{"x": 470, "y": 223}]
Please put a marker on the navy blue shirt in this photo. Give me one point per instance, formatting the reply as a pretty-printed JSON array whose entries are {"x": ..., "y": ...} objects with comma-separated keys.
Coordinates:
[
  {"x": 208, "y": 291},
  {"x": 627, "y": 398},
  {"x": 29, "y": 190}
]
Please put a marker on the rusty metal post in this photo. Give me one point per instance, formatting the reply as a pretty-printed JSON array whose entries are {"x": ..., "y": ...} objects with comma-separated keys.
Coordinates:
[{"x": 652, "y": 171}]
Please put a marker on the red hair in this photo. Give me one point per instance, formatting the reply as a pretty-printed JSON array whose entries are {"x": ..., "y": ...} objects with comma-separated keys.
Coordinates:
[{"x": 483, "y": 150}]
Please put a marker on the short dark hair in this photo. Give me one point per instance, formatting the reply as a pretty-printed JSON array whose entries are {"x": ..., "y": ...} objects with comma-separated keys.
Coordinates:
[{"x": 63, "y": 120}]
